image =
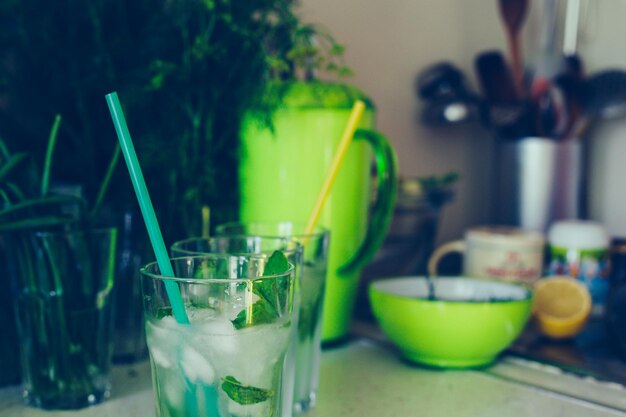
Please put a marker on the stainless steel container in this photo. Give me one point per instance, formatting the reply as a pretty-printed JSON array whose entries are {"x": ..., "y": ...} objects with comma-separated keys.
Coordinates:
[{"x": 538, "y": 181}]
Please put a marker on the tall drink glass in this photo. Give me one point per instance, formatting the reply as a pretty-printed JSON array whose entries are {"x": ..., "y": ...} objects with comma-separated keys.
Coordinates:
[
  {"x": 62, "y": 283},
  {"x": 259, "y": 245},
  {"x": 312, "y": 283},
  {"x": 229, "y": 360}
]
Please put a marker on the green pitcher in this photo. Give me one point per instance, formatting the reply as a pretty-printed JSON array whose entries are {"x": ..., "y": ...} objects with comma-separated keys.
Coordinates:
[{"x": 286, "y": 152}]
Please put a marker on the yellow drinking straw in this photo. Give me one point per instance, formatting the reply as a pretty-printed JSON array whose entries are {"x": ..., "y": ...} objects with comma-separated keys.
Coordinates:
[
  {"x": 206, "y": 220},
  {"x": 355, "y": 116}
]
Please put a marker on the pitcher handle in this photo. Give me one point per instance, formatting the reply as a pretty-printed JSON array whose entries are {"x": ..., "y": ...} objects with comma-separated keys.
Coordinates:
[{"x": 382, "y": 213}]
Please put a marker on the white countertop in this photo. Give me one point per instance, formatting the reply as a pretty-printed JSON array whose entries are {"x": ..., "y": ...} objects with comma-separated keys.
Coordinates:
[{"x": 365, "y": 378}]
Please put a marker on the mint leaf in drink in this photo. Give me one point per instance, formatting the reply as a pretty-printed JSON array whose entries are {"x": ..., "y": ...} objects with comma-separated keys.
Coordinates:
[
  {"x": 276, "y": 264},
  {"x": 265, "y": 309},
  {"x": 162, "y": 312},
  {"x": 262, "y": 313},
  {"x": 243, "y": 394},
  {"x": 268, "y": 289}
]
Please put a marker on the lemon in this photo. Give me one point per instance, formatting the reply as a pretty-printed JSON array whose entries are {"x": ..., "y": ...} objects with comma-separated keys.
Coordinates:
[{"x": 561, "y": 307}]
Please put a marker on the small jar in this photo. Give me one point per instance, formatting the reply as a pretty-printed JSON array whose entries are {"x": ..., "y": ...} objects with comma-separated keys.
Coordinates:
[{"x": 580, "y": 249}]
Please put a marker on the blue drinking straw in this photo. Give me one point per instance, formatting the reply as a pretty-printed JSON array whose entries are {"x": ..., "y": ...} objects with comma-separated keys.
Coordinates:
[{"x": 139, "y": 184}]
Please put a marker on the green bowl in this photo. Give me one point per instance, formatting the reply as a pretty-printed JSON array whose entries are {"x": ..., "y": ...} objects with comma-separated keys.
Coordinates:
[{"x": 468, "y": 324}]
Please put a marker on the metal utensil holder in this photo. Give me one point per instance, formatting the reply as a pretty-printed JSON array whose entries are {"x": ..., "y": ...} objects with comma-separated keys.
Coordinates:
[{"x": 539, "y": 181}]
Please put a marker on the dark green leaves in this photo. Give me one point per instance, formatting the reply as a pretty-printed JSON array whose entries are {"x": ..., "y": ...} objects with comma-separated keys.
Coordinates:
[
  {"x": 35, "y": 223},
  {"x": 303, "y": 49},
  {"x": 435, "y": 181},
  {"x": 242, "y": 394},
  {"x": 276, "y": 264},
  {"x": 265, "y": 309},
  {"x": 25, "y": 205},
  {"x": 262, "y": 313},
  {"x": 11, "y": 163},
  {"x": 267, "y": 288}
]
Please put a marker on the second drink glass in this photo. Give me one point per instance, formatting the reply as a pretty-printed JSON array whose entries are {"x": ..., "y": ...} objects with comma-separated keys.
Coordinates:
[{"x": 312, "y": 286}]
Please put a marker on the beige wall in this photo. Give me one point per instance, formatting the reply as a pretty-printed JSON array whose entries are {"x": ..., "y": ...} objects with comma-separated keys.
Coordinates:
[{"x": 389, "y": 42}]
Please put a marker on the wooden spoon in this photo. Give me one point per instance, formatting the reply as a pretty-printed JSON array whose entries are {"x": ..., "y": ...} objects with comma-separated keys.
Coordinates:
[{"x": 513, "y": 14}]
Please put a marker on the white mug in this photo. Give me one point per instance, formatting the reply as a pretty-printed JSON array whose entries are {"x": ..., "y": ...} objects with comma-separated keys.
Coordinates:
[{"x": 504, "y": 253}]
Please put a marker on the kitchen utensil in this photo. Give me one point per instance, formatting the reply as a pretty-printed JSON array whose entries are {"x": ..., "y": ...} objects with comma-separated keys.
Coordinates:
[
  {"x": 494, "y": 77},
  {"x": 548, "y": 62},
  {"x": 448, "y": 112},
  {"x": 570, "y": 85},
  {"x": 447, "y": 99},
  {"x": 440, "y": 80},
  {"x": 549, "y": 26},
  {"x": 513, "y": 14},
  {"x": 573, "y": 65},
  {"x": 510, "y": 121},
  {"x": 548, "y": 98},
  {"x": 559, "y": 101},
  {"x": 570, "y": 35},
  {"x": 559, "y": 104},
  {"x": 605, "y": 94},
  {"x": 549, "y": 106},
  {"x": 502, "y": 109},
  {"x": 469, "y": 323}
]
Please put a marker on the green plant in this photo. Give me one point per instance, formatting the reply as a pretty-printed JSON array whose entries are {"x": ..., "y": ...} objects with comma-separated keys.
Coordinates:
[
  {"x": 439, "y": 181},
  {"x": 186, "y": 71},
  {"x": 299, "y": 51},
  {"x": 24, "y": 204},
  {"x": 26, "y": 198},
  {"x": 51, "y": 279}
]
